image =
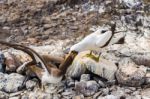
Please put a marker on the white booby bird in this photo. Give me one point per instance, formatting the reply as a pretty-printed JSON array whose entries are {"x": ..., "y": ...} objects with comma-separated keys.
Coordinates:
[{"x": 95, "y": 41}]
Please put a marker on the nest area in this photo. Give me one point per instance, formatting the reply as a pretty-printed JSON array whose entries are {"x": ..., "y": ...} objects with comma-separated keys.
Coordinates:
[{"x": 56, "y": 25}]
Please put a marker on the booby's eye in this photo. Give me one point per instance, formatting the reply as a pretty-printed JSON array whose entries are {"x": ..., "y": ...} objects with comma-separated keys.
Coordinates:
[{"x": 103, "y": 31}]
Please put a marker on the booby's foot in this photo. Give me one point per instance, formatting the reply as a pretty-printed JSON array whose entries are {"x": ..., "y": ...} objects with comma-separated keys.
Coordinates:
[
  {"x": 21, "y": 69},
  {"x": 93, "y": 57}
]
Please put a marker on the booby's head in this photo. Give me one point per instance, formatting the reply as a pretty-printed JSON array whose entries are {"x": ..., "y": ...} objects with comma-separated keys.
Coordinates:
[
  {"x": 111, "y": 27},
  {"x": 102, "y": 30}
]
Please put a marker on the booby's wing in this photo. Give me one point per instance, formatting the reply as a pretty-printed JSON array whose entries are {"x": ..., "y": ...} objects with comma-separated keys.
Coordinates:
[
  {"x": 103, "y": 39},
  {"x": 80, "y": 46},
  {"x": 34, "y": 55}
]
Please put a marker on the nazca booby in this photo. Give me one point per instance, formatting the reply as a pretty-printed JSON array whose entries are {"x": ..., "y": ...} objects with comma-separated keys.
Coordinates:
[
  {"x": 93, "y": 41},
  {"x": 96, "y": 40}
]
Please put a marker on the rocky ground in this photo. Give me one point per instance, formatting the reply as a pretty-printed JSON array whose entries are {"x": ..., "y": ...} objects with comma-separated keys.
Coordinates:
[{"x": 52, "y": 26}]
